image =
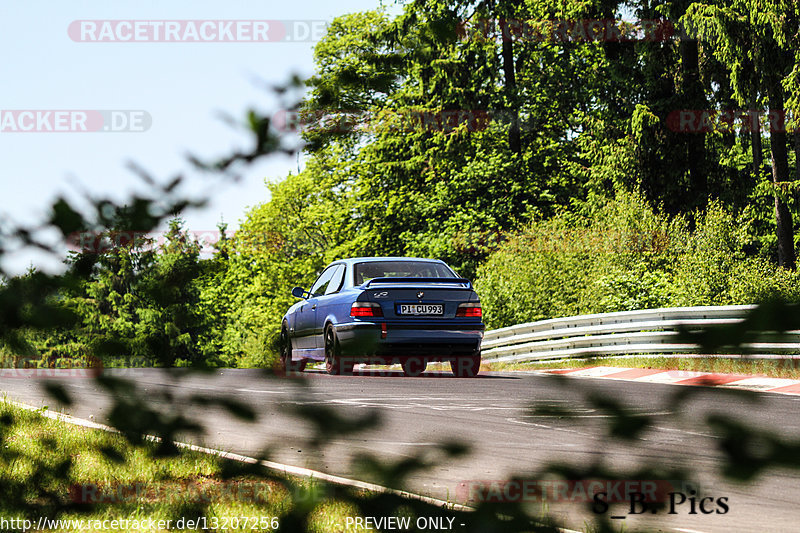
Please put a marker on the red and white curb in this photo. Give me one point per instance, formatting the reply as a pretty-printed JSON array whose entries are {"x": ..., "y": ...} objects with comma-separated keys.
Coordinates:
[{"x": 685, "y": 377}]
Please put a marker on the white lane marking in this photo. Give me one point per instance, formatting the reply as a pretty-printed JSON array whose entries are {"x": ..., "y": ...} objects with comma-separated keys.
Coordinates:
[
  {"x": 394, "y": 442},
  {"x": 593, "y": 435},
  {"x": 261, "y": 391},
  {"x": 419, "y": 403},
  {"x": 552, "y": 428},
  {"x": 571, "y": 414},
  {"x": 687, "y": 432},
  {"x": 687, "y": 530}
]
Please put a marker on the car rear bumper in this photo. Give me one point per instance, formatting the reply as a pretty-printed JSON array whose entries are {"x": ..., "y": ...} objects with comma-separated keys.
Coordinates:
[{"x": 434, "y": 341}]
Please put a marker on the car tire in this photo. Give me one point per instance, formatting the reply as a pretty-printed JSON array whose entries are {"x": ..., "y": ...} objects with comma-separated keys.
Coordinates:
[
  {"x": 466, "y": 367},
  {"x": 334, "y": 364},
  {"x": 414, "y": 366},
  {"x": 285, "y": 362}
]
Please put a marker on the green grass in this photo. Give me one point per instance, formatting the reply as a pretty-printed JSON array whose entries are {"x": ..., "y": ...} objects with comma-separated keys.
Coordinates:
[
  {"x": 47, "y": 465},
  {"x": 135, "y": 484},
  {"x": 777, "y": 368}
]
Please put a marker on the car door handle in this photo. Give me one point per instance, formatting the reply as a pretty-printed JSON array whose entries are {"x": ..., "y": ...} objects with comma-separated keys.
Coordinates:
[{"x": 313, "y": 307}]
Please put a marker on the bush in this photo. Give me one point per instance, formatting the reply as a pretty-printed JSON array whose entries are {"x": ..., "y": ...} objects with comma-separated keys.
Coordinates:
[
  {"x": 622, "y": 257},
  {"x": 539, "y": 274},
  {"x": 717, "y": 271}
]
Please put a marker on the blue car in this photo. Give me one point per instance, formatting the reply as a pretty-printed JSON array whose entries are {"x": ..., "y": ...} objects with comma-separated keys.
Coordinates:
[{"x": 385, "y": 310}]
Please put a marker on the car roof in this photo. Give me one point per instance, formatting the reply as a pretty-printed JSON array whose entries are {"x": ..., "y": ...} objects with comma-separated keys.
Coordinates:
[{"x": 353, "y": 260}]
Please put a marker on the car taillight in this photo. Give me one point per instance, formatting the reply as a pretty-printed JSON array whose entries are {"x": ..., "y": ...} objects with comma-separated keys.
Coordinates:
[
  {"x": 469, "y": 310},
  {"x": 362, "y": 309}
]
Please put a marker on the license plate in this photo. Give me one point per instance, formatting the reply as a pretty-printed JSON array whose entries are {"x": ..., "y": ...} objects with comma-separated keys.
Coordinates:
[{"x": 421, "y": 309}]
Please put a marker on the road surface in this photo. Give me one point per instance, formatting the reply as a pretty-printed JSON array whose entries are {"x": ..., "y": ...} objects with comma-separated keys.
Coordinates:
[{"x": 490, "y": 413}]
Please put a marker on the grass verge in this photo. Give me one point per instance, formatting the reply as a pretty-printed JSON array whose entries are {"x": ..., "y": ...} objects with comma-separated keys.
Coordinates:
[{"x": 60, "y": 471}]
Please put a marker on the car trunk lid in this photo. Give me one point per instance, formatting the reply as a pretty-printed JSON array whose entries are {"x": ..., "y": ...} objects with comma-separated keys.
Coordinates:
[{"x": 419, "y": 298}]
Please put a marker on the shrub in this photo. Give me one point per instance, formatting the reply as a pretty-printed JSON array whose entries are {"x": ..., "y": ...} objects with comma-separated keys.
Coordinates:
[{"x": 625, "y": 256}]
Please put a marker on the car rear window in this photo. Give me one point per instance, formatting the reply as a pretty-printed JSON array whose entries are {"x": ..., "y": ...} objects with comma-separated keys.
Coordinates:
[{"x": 363, "y": 272}]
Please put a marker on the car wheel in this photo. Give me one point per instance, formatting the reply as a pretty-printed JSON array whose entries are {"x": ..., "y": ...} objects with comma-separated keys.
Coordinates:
[
  {"x": 333, "y": 357},
  {"x": 285, "y": 361},
  {"x": 414, "y": 366},
  {"x": 466, "y": 367}
]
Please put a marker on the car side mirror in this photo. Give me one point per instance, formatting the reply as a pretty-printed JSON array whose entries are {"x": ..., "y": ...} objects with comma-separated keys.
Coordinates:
[{"x": 298, "y": 292}]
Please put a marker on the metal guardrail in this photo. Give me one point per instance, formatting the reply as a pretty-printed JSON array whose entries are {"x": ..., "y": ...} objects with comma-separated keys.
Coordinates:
[{"x": 650, "y": 331}]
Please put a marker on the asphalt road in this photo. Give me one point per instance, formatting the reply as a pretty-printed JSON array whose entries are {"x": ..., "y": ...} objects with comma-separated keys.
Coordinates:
[{"x": 492, "y": 415}]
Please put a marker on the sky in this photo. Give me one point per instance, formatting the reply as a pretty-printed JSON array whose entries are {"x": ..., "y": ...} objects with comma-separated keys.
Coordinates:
[{"x": 179, "y": 88}]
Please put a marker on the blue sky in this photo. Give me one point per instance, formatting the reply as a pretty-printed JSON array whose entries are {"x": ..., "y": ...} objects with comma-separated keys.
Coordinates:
[{"x": 184, "y": 87}]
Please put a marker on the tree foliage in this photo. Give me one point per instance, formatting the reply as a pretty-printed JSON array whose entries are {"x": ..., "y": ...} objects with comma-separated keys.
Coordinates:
[
  {"x": 577, "y": 196},
  {"x": 474, "y": 133}
]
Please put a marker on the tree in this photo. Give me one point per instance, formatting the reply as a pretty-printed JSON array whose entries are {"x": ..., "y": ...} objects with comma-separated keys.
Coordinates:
[
  {"x": 757, "y": 41},
  {"x": 168, "y": 324},
  {"x": 140, "y": 301}
]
